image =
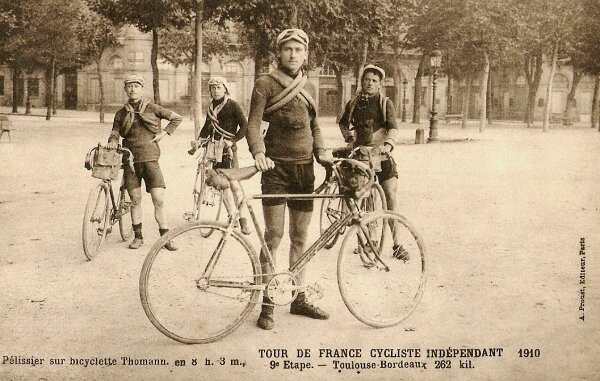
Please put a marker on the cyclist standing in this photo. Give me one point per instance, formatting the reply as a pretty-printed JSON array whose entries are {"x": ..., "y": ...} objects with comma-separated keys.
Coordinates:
[
  {"x": 285, "y": 157},
  {"x": 138, "y": 123},
  {"x": 369, "y": 120},
  {"x": 225, "y": 121}
]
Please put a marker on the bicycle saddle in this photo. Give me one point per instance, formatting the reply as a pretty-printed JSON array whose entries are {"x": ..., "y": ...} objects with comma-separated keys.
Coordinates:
[{"x": 220, "y": 178}]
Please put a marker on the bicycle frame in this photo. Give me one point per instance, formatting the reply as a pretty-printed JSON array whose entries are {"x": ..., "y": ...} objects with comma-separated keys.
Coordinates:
[{"x": 352, "y": 217}]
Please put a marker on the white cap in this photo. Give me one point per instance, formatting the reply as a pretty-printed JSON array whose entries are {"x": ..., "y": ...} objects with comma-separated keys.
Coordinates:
[
  {"x": 377, "y": 69},
  {"x": 218, "y": 81},
  {"x": 293, "y": 34},
  {"x": 134, "y": 78}
]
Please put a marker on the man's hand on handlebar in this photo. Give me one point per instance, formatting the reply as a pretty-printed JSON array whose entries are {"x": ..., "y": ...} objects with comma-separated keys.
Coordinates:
[
  {"x": 112, "y": 145},
  {"x": 326, "y": 159},
  {"x": 386, "y": 148},
  {"x": 263, "y": 163}
]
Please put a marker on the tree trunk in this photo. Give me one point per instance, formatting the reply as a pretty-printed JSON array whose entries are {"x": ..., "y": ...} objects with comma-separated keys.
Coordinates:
[
  {"x": 467, "y": 102},
  {"x": 397, "y": 78},
  {"x": 490, "y": 99},
  {"x": 340, "y": 86},
  {"x": 27, "y": 95},
  {"x": 51, "y": 86},
  {"x": 533, "y": 73},
  {"x": 16, "y": 73},
  {"x": 596, "y": 104},
  {"x": 483, "y": 91},
  {"x": 363, "y": 62},
  {"x": 571, "y": 108},
  {"x": 101, "y": 86},
  {"x": 548, "y": 103},
  {"x": 294, "y": 16},
  {"x": 417, "y": 94},
  {"x": 197, "y": 98},
  {"x": 154, "y": 64},
  {"x": 54, "y": 92}
]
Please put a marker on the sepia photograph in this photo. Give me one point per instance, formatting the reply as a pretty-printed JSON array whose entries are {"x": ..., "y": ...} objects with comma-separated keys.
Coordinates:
[{"x": 309, "y": 189}]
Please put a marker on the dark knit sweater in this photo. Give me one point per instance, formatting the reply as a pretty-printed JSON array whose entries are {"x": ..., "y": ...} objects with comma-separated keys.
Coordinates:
[
  {"x": 367, "y": 119},
  {"x": 138, "y": 137},
  {"x": 293, "y": 136},
  {"x": 230, "y": 118}
]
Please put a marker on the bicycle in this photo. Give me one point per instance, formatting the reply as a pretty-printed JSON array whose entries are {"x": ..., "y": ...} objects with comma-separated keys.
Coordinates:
[
  {"x": 204, "y": 291},
  {"x": 207, "y": 200},
  {"x": 333, "y": 209},
  {"x": 103, "y": 209}
]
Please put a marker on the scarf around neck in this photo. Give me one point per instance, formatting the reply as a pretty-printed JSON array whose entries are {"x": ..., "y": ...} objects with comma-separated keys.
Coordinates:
[
  {"x": 213, "y": 112},
  {"x": 292, "y": 87}
]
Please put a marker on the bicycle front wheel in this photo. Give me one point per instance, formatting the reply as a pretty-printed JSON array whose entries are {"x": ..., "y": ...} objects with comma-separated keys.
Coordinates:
[
  {"x": 95, "y": 220},
  {"x": 382, "y": 276},
  {"x": 203, "y": 291},
  {"x": 125, "y": 224}
]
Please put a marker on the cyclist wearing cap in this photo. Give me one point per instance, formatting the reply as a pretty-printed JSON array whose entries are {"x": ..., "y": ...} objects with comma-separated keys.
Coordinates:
[
  {"x": 225, "y": 119},
  {"x": 369, "y": 120},
  {"x": 285, "y": 157},
  {"x": 138, "y": 123}
]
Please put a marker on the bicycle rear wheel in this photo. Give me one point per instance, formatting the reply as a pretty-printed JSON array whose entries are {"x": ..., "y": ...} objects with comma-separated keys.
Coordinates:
[
  {"x": 95, "y": 220},
  {"x": 186, "y": 305},
  {"x": 332, "y": 210},
  {"x": 125, "y": 224},
  {"x": 377, "y": 296}
]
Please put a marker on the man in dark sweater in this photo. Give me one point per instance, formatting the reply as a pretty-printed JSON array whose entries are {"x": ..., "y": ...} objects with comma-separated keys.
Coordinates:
[
  {"x": 138, "y": 123},
  {"x": 369, "y": 120},
  {"x": 225, "y": 119},
  {"x": 285, "y": 158}
]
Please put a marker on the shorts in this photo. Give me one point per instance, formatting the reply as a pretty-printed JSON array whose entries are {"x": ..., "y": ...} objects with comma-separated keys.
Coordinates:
[
  {"x": 289, "y": 178},
  {"x": 147, "y": 170},
  {"x": 388, "y": 170}
]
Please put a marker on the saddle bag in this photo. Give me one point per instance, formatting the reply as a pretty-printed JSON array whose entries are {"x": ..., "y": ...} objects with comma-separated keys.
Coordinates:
[{"x": 106, "y": 163}]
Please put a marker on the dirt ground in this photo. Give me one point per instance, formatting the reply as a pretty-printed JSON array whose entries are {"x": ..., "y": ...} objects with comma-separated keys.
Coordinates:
[{"x": 502, "y": 212}]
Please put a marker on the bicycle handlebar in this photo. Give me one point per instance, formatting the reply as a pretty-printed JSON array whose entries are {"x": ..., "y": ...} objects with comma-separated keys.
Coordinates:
[
  {"x": 222, "y": 178},
  {"x": 122, "y": 150}
]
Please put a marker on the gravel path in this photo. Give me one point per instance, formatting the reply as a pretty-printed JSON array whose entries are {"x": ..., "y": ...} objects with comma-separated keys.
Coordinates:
[{"x": 502, "y": 212}]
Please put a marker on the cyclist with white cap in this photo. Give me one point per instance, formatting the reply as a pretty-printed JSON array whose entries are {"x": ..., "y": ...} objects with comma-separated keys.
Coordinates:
[
  {"x": 225, "y": 119},
  {"x": 285, "y": 157},
  {"x": 138, "y": 123},
  {"x": 369, "y": 120}
]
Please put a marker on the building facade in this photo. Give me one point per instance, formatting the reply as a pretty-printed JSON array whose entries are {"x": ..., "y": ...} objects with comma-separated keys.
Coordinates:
[{"x": 81, "y": 89}]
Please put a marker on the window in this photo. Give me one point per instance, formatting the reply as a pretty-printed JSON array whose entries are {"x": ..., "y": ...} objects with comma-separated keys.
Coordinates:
[
  {"x": 232, "y": 67},
  {"x": 327, "y": 71},
  {"x": 135, "y": 56},
  {"x": 34, "y": 87},
  {"x": 1, "y": 85},
  {"x": 116, "y": 63}
]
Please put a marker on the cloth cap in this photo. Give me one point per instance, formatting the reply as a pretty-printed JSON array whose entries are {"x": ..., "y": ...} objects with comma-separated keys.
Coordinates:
[
  {"x": 134, "y": 78},
  {"x": 373, "y": 68},
  {"x": 293, "y": 34},
  {"x": 218, "y": 81}
]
